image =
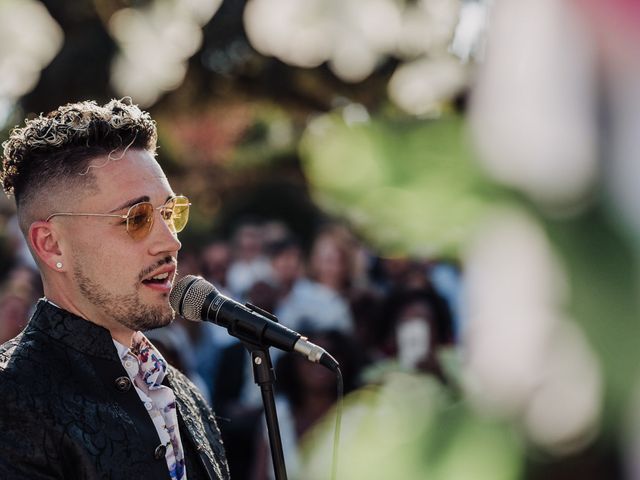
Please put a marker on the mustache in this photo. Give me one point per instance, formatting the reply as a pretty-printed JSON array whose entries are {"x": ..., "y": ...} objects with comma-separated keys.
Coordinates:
[{"x": 168, "y": 260}]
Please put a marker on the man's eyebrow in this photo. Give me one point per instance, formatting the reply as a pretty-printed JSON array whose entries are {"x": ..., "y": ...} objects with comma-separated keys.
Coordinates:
[
  {"x": 134, "y": 201},
  {"x": 131, "y": 203}
]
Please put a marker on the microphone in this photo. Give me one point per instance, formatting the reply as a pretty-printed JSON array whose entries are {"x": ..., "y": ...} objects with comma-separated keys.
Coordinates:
[{"x": 196, "y": 299}]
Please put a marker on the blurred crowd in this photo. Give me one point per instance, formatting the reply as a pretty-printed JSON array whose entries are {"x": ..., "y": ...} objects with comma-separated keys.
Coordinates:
[{"x": 374, "y": 315}]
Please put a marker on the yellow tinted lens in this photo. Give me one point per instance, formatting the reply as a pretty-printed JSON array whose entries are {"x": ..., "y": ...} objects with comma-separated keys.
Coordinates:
[
  {"x": 140, "y": 220},
  {"x": 180, "y": 215}
]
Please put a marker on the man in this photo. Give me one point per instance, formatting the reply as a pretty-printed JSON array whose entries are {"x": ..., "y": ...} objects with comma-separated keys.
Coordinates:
[{"x": 83, "y": 393}]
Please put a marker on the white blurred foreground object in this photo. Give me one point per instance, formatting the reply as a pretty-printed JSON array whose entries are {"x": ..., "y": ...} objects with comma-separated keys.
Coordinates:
[
  {"x": 29, "y": 39},
  {"x": 525, "y": 359},
  {"x": 155, "y": 44},
  {"x": 534, "y": 108},
  {"x": 418, "y": 87},
  {"x": 352, "y": 36}
]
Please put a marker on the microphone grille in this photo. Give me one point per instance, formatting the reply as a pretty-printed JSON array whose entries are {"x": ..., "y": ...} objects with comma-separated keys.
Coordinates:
[{"x": 188, "y": 296}]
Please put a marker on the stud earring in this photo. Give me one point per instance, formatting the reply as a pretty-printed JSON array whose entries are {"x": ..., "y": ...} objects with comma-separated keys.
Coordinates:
[{"x": 59, "y": 264}]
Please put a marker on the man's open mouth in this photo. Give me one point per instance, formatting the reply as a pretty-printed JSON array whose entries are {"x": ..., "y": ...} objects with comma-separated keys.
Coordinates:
[{"x": 157, "y": 279}]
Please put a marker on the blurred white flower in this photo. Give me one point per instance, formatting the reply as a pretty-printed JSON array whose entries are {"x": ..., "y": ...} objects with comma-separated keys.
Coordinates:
[
  {"x": 533, "y": 111},
  {"x": 29, "y": 39},
  {"x": 299, "y": 33},
  {"x": 355, "y": 113},
  {"x": 427, "y": 26},
  {"x": 349, "y": 34},
  {"x": 419, "y": 87},
  {"x": 353, "y": 36},
  {"x": 469, "y": 37},
  {"x": 563, "y": 410},
  {"x": 155, "y": 43},
  {"x": 525, "y": 359},
  {"x": 355, "y": 60}
]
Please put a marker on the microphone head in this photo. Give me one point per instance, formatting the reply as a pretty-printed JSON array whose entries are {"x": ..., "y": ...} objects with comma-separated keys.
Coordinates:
[{"x": 188, "y": 296}]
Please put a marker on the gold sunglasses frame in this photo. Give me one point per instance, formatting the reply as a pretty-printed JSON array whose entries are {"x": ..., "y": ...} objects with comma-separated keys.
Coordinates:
[{"x": 127, "y": 215}]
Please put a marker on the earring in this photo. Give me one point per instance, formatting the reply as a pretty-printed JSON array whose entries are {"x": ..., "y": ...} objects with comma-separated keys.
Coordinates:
[{"x": 59, "y": 264}]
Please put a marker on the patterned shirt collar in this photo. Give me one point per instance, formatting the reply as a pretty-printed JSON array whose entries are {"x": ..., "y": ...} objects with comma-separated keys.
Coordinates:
[{"x": 151, "y": 361}]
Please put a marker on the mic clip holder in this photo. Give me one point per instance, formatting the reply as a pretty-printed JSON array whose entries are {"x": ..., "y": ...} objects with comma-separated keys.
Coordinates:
[
  {"x": 262, "y": 312},
  {"x": 264, "y": 376}
]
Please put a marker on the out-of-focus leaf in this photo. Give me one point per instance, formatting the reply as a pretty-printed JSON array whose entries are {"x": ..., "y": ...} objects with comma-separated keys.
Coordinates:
[
  {"x": 411, "y": 187},
  {"x": 604, "y": 296},
  {"x": 409, "y": 427}
]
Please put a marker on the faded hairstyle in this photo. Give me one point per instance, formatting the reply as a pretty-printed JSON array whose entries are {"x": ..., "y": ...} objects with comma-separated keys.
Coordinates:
[{"x": 54, "y": 151}]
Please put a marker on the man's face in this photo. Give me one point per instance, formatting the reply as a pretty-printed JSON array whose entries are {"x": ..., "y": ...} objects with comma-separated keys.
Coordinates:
[{"x": 111, "y": 272}]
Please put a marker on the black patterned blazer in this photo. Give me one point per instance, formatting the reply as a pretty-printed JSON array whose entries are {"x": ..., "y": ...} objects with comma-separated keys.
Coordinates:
[{"x": 68, "y": 409}]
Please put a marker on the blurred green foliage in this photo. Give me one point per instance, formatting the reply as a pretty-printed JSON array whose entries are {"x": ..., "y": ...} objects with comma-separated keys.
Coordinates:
[
  {"x": 411, "y": 427},
  {"x": 602, "y": 265},
  {"x": 410, "y": 186}
]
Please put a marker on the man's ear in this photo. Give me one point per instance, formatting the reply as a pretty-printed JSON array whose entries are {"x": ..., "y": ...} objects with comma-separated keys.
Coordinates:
[{"x": 44, "y": 241}]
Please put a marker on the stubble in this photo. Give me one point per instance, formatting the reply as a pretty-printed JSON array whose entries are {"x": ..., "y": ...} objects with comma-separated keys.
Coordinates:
[{"x": 127, "y": 310}]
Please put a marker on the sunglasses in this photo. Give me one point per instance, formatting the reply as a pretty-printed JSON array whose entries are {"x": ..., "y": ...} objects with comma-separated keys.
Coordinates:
[{"x": 139, "y": 217}]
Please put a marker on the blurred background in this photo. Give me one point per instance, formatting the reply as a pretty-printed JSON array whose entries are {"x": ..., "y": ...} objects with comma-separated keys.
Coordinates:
[{"x": 443, "y": 193}]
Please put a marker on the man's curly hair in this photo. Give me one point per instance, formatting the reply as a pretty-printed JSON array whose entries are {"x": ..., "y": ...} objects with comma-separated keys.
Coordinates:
[{"x": 59, "y": 146}]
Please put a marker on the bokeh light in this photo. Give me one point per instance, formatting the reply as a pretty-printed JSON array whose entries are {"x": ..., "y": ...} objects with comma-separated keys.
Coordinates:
[
  {"x": 29, "y": 39},
  {"x": 155, "y": 43},
  {"x": 422, "y": 86}
]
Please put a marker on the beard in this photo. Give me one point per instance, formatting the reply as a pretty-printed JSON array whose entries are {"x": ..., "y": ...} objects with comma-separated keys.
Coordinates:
[{"x": 125, "y": 309}]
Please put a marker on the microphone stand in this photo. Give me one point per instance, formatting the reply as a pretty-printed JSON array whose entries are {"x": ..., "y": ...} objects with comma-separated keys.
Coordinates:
[{"x": 264, "y": 377}]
